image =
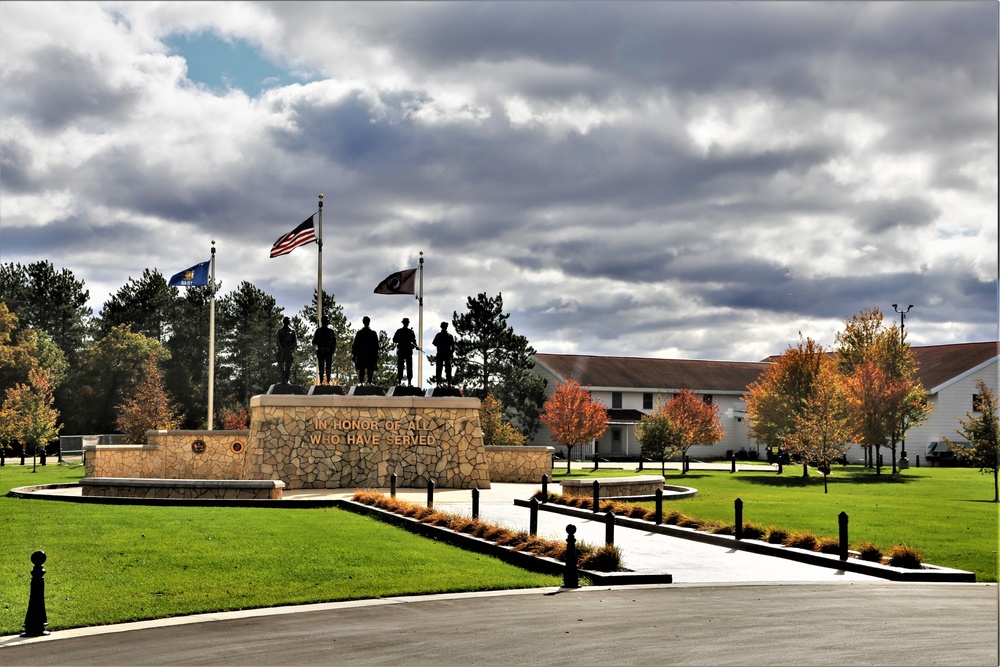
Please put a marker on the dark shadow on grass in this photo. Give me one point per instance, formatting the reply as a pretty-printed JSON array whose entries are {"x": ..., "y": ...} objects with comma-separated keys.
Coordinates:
[{"x": 815, "y": 479}]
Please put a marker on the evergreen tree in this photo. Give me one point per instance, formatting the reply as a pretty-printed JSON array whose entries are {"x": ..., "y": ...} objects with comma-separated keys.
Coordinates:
[
  {"x": 185, "y": 374},
  {"x": 342, "y": 368},
  {"x": 983, "y": 449},
  {"x": 248, "y": 320},
  {"x": 146, "y": 305}
]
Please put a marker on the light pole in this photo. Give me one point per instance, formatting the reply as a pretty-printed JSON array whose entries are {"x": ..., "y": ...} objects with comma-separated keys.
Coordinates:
[{"x": 902, "y": 324}]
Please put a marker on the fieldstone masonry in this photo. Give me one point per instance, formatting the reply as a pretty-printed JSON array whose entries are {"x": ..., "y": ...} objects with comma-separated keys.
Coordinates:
[
  {"x": 314, "y": 442},
  {"x": 520, "y": 465}
]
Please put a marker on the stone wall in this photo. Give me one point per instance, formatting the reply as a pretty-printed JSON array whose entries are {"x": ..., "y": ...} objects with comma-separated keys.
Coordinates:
[
  {"x": 199, "y": 489},
  {"x": 614, "y": 487},
  {"x": 521, "y": 465},
  {"x": 172, "y": 455},
  {"x": 360, "y": 441}
]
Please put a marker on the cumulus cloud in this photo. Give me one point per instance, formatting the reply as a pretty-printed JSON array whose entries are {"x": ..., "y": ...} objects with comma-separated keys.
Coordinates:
[{"x": 700, "y": 180}]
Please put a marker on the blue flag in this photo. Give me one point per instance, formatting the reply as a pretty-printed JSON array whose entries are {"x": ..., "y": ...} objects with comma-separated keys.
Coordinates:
[{"x": 196, "y": 275}]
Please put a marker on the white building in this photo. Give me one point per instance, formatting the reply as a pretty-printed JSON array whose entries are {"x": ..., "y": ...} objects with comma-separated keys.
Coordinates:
[{"x": 631, "y": 387}]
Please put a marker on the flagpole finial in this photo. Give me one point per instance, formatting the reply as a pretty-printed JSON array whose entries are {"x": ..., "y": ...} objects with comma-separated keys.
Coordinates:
[{"x": 321, "y": 195}]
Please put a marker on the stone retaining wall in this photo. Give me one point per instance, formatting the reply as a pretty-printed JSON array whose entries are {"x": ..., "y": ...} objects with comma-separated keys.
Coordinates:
[
  {"x": 520, "y": 465},
  {"x": 201, "y": 489},
  {"x": 613, "y": 487},
  {"x": 172, "y": 455}
]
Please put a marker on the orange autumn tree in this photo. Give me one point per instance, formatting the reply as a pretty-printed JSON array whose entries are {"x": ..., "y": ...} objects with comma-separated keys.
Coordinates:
[
  {"x": 697, "y": 421},
  {"x": 148, "y": 408},
  {"x": 574, "y": 417},
  {"x": 28, "y": 416}
]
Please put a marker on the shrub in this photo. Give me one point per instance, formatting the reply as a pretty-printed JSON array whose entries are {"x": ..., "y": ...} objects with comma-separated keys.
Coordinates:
[
  {"x": 901, "y": 555},
  {"x": 776, "y": 535},
  {"x": 828, "y": 545},
  {"x": 685, "y": 521},
  {"x": 752, "y": 531},
  {"x": 671, "y": 517},
  {"x": 720, "y": 528},
  {"x": 606, "y": 558},
  {"x": 869, "y": 552},
  {"x": 801, "y": 540}
]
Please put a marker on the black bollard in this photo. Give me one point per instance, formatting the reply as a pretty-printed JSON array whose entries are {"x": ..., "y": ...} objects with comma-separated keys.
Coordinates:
[
  {"x": 596, "y": 462},
  {"x": 545, "y": 488},
  {"x": 733, "y": 467},
  {"x": 640, "y": 465},
  {"x": 475, "y": 503},
  {"x": 430, "y": 493},
  {"x": 842, "y": 519},
  {"x": 571, "y": 576},
  {"x": 3, "y": 457},
  {"x": 779, "y": 466},
  {"x": 35, "y": 620},
  {"x": 392, "y": 485},
  {"x": 738, "y": 503},
  {"x": 533, "y": 517},
  {"x": 659, "y": 506},
  {"x": 41, "y": 456},
  {"x": 609, "y": 527},
  {"x": 684, "y": 464},
  {"x": 918, "y": 461},
  {"x": 597, "y": 496}
]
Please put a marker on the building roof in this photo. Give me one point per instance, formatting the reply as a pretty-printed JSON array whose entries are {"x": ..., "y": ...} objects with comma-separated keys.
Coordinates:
[
  {"x": 938, "y": 366},
  {"x": 653, "y": 374}
]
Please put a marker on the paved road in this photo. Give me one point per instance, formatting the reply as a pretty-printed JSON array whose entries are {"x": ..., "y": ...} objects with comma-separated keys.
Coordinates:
[{"x": 697, "y": 624}]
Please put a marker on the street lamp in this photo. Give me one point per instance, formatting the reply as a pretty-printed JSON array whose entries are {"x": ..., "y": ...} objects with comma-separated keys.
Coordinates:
[
  {"x": 902, "y": 324},
  {"x": 902, "y": 318}
]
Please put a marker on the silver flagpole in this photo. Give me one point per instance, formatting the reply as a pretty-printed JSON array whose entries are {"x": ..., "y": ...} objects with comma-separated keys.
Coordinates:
[
  {"x": 420, "y": 327},
  {"x": 319, "y": 281},
  {"x": 211, "y": 342}
]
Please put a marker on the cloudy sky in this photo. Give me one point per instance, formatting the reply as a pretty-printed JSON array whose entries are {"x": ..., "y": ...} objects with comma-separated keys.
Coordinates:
[{"x": 676, "y": 179}]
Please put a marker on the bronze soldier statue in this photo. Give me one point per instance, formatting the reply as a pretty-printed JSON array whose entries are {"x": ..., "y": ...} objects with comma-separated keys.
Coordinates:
[
  {"x": 286, "y": 349},
  {"x": 406, "y": 342},
  {"x": 445, "y": 344},
  {"x": 325, "y": 341},
  {"x": 364, "y": 352}
]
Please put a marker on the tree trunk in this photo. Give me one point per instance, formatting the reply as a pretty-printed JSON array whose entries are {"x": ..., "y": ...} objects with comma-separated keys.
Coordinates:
[
  {"x": 805, "y": 468},
  {"x": 569, "y": 453}
]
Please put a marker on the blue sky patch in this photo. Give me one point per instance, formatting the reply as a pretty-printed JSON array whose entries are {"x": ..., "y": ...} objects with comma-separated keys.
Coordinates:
[{"x": 220, "y": 65}]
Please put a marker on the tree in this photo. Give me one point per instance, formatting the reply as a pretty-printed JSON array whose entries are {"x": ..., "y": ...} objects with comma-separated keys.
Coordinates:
[
  {"x": 148, "y": 407},
  {"x": 490, "y": 357},
  {"x": 981, "y": 432},
  {"x": 823, "y": 430},
  {"x": 886, "y": 396},
  {"x": 248, "y": 320},
  {"x": 658, "y": 437},
  {"x": 496, "y": 431},
  {"x": 574, "y": 417},
  {"x": 22, "y": 350},
  {"x": 27, "y": 414},
  {"x": 781, "y": 394},
  {"x": 696, "y": 421},
  {"x": 185, "y": 373},
  {"x": 107, "y": 372},
  {"x": 55, "y": 302},
  {"x": 146, "y": 305}
]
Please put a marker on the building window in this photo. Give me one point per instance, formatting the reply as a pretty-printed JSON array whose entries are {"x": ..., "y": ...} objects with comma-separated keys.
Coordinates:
[
  {"x": 647, "y": 401},
  {"x": 707, "y": 398},
  {"x": 616, "y": 400},
  {"x": 977, "y": 403}
]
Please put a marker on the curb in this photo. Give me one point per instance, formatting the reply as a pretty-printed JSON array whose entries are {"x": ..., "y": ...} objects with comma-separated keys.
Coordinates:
[{"x": 929, "y": 573}]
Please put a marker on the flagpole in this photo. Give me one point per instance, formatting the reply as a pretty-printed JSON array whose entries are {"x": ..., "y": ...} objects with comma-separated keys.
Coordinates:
[
  {"x": 420, "y": 326},
  {"x": 211, "y": 342},
  {"x": 319, "y": 281}
]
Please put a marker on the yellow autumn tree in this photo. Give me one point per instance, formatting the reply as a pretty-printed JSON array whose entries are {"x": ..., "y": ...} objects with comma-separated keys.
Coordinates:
[{"x": 496, "y": 431}]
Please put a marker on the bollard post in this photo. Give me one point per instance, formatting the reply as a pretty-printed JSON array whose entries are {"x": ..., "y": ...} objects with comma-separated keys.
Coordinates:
[
  {"x": 640, "y": 465},
  {"x": 659, "y": 506},
  {"x": 36, "y": 620},
  {"x": 533, "y": 517},
  {"x": 3, "y": 458},
  {"x": 41, "y": 456},
  {"x": 733, "y": 467},
  {"x": 392, "y": 485},
  {"x": 545, "y": 488},
  {"x": 779, "y": 466},
  {"x": 475, "y": 503},
  {"x": 596, "y": 462},
  {"x": 609, "y": 527},
  {"x": 739, "y": 518},
  {"x": 842, "y": 519},
  {"x": 430, "y": 493},
  {"x": 684, "y": 464},
  {"x": 597, "y": 496},
  {"x": 571, "y": 576},
  {"x": 918, "y": 461}
]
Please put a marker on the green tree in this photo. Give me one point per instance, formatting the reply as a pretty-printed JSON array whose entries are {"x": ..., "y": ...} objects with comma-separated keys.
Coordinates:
[
  {"x": 50, "y": 300},
  {"x": 27, "y": 414},
  {"x": 981, "y": 432},
  {"x": 248, "y": 320},
  {"x": 146, "y": 305},
  {"x": 22, "y": 350},
  {"x": 496, "y": 431},
  {"x": 107, "y": 372},
  {"x": 148, "y": 407},
  {"x": 490, "y": 357},
  {"x": 658, "y": 437},
  {"x": 185, "y": 373}
]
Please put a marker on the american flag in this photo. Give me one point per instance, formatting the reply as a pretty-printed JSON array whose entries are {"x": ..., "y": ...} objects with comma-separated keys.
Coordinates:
[{"x": 301, "y": 235}]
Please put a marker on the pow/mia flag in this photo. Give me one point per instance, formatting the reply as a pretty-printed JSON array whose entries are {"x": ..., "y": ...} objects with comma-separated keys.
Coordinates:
[
  {"x": 196, "y": 275},
  {"x": 401, "y": 282}
]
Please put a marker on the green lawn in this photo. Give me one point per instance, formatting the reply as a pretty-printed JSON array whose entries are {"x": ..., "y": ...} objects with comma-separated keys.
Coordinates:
[
  {"x": 945, "y": 513},
  {"x": 110, "y": 564}
]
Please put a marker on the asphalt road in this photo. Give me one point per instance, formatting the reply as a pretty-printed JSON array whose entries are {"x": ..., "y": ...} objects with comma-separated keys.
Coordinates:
[{"x": 864, "y": 623}]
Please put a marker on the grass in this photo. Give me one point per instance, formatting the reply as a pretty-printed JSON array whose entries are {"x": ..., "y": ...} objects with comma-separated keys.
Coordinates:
[
  {"x": 944, "y": 513},
  {"x": 112, "y": 564}
]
